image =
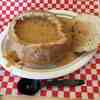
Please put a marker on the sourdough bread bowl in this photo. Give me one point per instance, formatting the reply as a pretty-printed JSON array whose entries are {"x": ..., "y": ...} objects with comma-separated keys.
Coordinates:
[{"x": 37, "y": 38}]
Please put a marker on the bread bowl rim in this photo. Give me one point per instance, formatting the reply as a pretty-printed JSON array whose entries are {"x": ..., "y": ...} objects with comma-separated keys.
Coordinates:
[{"x": 11, "y": 30}]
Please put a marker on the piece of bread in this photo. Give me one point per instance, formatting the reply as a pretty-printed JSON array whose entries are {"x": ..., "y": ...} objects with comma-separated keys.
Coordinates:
[{"x": 86, "y": 35}]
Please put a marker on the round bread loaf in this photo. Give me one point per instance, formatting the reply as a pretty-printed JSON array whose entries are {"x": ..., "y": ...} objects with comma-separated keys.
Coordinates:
[{"x": 86, "y": 35}]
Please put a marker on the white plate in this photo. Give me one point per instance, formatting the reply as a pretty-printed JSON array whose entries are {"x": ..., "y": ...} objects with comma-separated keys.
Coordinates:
[{"x": 46, "y": 73}]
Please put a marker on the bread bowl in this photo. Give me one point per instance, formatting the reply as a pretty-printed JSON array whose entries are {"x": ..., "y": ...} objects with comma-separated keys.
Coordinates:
[{"x": 37, "y": 38}]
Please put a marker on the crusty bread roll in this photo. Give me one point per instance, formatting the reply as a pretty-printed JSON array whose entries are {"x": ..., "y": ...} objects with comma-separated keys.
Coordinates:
[
  {"x": 86, "y": 35},
  {"x": 84, "y": 30}
]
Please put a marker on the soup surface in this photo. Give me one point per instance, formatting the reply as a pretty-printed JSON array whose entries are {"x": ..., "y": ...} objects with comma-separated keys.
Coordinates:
[{"x": 36, "y": 30}]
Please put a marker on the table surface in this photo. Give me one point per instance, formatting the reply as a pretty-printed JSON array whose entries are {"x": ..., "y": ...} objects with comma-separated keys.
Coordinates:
[
  {"x": 90, "y": 72},
  {"x": 31, "y": 98}
]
